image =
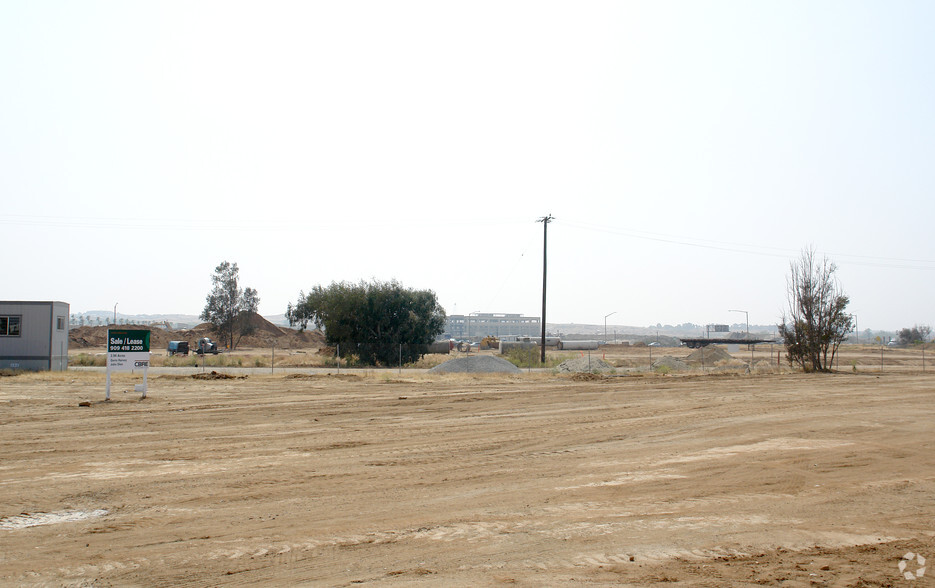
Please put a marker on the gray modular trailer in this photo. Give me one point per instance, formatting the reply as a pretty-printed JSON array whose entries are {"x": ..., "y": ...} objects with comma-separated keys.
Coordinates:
[{"x": 33, "y": 335}]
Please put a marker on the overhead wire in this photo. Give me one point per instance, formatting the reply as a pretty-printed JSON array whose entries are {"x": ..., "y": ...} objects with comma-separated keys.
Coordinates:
[
  {"x": 511, "y": 272},
  {"x": 760, "y": 250},
  {"x": 330, "y": 223},
  {"x": 256, "y": 223}
]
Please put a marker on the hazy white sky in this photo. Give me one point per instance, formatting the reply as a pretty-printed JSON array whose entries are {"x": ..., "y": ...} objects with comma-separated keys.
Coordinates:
[{"x": 687, "y": 150}]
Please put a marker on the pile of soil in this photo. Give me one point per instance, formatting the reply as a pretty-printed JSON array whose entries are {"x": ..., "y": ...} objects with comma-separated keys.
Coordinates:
[
  {"x": 265, "y": 334},
  {"x": 213, "y": 375},
  {"x": 487, "y": 364},
  {"x": 585, "y": 377},
  {"x": 593, "y": 365},
  {"x": 709, "y": 355}
]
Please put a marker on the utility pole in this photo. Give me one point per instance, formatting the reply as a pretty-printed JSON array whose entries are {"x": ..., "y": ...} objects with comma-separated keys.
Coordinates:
[{"x": 545, "y": 226}]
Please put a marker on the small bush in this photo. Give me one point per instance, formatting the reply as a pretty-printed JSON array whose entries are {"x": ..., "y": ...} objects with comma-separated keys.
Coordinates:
[
  {"x": 429, "y": 361},
  {"x": 530, "y": 358},
  {"x": 88, "y": 360},
  {"x": 523, "y": 358}
]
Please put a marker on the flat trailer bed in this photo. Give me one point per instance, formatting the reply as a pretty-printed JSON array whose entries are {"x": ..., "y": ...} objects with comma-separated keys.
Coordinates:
[{"x": 695, "y": 343}]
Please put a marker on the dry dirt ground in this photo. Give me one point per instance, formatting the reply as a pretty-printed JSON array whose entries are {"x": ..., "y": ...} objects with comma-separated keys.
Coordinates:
[{"x": 533, "y": 479}]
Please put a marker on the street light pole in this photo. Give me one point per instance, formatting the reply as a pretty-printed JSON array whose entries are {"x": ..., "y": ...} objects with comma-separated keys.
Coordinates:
[
  {"x": 748, "y": 319},
  {"x": 115, "y": 312},
  {"x": 605, "y": 324}
]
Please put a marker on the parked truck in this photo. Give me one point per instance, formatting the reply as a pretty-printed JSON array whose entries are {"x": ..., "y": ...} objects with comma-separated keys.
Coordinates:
[{"x": 177, "y": 348}]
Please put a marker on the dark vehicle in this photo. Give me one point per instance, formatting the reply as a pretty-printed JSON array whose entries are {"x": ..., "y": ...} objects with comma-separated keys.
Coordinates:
[
  {"x": 206, "y": 345},
  {"x": 177, "y": 348}
]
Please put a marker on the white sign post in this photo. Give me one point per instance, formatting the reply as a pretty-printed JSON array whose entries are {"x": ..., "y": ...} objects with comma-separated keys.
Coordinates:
[{"x": 127, "y": 351}]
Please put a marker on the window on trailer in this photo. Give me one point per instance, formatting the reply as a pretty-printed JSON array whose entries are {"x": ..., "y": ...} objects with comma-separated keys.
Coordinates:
[{"x": 9, "y": 326}]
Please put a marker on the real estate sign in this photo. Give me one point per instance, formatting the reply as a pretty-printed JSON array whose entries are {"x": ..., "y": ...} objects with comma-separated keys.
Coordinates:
[{"x": 127, "y": 350}]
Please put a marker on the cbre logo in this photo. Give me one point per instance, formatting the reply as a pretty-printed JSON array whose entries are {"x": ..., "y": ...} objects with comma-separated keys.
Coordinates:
[{"x": 907, "y": 562}]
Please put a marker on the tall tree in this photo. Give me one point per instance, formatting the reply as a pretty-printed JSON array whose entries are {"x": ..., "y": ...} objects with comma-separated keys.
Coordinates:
[
  {"x": 378, "y": 322},
  {"x": 917, "y": 334},
  {"x": 229, "y": 308},
  {"x": 817, "y": 322}
]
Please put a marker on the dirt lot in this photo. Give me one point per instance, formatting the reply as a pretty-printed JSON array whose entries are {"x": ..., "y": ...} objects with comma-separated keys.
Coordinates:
[{"x": 535, "y": 479}]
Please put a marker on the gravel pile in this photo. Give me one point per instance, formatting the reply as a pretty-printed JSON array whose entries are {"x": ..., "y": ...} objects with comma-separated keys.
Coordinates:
[
  {"x": 485, "y": 364},
  {"x": 672, "y": 363},
  {"x": 580, "y": 365}
]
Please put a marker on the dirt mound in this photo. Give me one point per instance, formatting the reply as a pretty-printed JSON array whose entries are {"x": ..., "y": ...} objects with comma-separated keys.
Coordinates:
[
  {"x": 592, "y": 365},
  {"x": 262, "y": 325},
  {"x": 265, "y": 334},
  {"x": 322, "y": 377},
  {"x": 585, "y": 377},
  {"x": 82, "y": 337},
  {"x": 709, "y": 355},
  {"x": 487, "y": 364},
  {"x": 213, "y": 375},
  {"x": 671, "y": 363}
]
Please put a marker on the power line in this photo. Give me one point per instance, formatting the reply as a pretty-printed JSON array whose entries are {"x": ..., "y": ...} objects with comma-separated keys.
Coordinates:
[
  {"x": 760, "y": 250},
  {"x": 322, "y": 222},
  {"x": 509, "y": 275}
]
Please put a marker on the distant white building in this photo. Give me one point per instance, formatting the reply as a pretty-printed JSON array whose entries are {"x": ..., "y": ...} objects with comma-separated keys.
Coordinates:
[
  {"x": 483, "y": 324},
  {"x": 34, "y": 335}
]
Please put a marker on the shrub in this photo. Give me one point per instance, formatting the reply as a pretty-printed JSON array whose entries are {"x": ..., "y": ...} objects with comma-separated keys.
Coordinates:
[
  {"x": 88, "y": 360},
  {"x": 529, "y": 357}
]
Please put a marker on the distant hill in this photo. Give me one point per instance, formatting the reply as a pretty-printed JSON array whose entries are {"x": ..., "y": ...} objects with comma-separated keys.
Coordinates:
[{"x": 277, "y": 319}]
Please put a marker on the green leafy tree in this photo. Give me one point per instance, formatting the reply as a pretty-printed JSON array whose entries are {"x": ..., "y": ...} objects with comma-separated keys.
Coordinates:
[
  {"x": 817, "y": 322},
  {"x": 372, "y": 320},
  {"x": 917, "y": 334},
  {"x": 229, "y": 308}
]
